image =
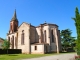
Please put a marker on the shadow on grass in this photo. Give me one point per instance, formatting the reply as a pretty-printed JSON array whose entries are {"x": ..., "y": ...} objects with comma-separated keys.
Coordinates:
[
  {"x": 51, "y": 53},
  {"x": 59, "y": 52},
  {"x": 12, "y": 55},
  {"x": 68, "y": 52}
]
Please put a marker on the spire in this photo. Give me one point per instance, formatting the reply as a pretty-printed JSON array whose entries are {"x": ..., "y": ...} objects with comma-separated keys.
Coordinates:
[{"x": 14, "y": 16}]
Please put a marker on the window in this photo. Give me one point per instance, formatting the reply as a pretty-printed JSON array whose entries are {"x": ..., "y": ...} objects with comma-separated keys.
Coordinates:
[
  {"x": 45, "y": 35},
  {"x": 52, "y": 35},
  {"x": 22, "y": 38},
  {"x": 35, "y": 47},
  {"x": 15, "y": 41},
  {"x": 12, "y": 42},
  {"x": 9, "y": 39}
]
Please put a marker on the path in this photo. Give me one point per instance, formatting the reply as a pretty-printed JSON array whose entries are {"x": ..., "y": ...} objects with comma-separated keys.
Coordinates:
[{"x": 68, "y": 56}]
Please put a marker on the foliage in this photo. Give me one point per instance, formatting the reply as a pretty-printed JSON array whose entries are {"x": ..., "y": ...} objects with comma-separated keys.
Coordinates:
[
  {"x": 77, "y": 24},
  {"x": 66, "y": 39},
  {"x": 6, "y": 44}
]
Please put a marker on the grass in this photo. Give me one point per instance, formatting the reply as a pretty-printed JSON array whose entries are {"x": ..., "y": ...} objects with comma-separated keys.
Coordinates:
[
  {"x": 23, "y": 56},
  {"x": 78, "y": 59}
]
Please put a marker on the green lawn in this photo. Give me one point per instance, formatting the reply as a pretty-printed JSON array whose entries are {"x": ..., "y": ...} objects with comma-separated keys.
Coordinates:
[{"x": 23, "y": 56}]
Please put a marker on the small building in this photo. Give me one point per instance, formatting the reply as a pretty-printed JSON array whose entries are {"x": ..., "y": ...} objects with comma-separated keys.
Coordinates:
[
  {"x": 1, "y": 42},
  {"x": 34, "y": 40}
]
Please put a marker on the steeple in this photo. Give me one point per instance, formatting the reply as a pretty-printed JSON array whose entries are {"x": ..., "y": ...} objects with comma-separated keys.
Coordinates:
[
  {"x": 14, "y": 16},
  {"x": 14, "y": 23}
]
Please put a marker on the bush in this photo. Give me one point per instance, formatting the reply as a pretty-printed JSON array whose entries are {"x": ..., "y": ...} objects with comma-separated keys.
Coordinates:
[
  {"x": 70, "y": 50},
  {"x": 10, "y": 51}
]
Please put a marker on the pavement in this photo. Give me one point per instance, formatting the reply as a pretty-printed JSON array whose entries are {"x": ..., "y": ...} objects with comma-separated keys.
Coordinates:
[{"x": 67, "y": 56}]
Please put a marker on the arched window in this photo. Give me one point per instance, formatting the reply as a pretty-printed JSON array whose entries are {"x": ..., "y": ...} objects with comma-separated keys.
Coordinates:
[
  {"x": 45, "y": 35},
  {"x": 22, "y": 38},
  {"x": 15, "y": 41},
  {"x": 52, "y": 35},
  {"x": 9, "y": 39},
  {"x": 12, "y": 42}
]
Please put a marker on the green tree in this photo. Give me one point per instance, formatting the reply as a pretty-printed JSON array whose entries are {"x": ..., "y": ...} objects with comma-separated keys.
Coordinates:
[
  {"x": 66, "y": 39},
  {"x": 6, "y": 45},
  {"x": 72, "y": 42},
  {"x": 77, "y": 24}
]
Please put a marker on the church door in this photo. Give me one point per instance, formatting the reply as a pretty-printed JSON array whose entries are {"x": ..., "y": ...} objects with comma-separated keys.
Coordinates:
[{"x": 46, "y": 49}]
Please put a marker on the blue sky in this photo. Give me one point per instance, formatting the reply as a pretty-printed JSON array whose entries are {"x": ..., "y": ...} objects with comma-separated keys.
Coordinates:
[{"x": 36, "y": 12}]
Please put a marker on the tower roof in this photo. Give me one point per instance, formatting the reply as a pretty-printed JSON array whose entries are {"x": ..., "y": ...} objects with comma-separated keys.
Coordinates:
[{"x": 14, "y": 16}]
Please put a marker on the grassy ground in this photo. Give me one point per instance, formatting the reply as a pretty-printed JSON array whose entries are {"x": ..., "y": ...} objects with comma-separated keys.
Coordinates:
[{"x": 23, "y": 56}]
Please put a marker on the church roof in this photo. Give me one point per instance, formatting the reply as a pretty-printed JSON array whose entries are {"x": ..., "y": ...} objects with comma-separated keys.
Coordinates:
[
  {"x": 14, "y": 16},
  {"x": 27, "y": 24},
  {"x": 1, "y": 39},
  {"x": 24, "y": 23},
  {"x": 45, "y": 24}
]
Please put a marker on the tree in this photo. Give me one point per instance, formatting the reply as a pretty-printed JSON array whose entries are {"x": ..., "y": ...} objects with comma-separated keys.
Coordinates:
[
  {"x": 6, "y": 45},
  {"x": 66, "y": 39},
  {"x": 72, "y": 42},
  {"x": 77, "y": 24}
]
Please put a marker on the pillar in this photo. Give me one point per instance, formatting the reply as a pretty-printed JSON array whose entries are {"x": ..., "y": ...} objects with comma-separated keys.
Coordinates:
[{"x": 56, "y": 40}]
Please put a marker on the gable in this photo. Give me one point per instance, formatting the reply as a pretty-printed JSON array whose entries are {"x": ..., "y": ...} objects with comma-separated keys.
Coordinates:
[{"x": 23, "y": 25}]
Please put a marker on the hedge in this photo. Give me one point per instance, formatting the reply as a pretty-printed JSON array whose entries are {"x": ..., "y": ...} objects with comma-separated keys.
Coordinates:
[{"x": 10, "y": 51}]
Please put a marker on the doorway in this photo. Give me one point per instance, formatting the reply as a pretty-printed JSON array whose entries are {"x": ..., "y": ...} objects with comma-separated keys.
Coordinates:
[{"x": 46, "y": 48}]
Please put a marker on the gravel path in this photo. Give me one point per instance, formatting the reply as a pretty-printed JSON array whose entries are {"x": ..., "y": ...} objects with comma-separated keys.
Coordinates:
[{"x": 69, "y": 56}]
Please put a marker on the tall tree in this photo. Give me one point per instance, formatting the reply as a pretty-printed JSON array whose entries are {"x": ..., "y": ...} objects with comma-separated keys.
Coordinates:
[
  {"x": 77, "y": 24},
  {"x": 6, "y": 45},
  {"x": 66, "y": 39}
]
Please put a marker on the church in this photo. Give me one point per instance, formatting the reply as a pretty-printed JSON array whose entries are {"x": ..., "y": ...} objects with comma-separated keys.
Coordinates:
[{"x": 31, "y": 39}]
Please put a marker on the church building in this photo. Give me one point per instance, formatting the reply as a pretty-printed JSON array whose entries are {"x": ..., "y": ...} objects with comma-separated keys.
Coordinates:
[{"x": 31, "y": 39}]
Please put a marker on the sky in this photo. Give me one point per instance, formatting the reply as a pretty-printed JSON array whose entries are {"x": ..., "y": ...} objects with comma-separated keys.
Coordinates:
[{"x": 36, "y": 12}]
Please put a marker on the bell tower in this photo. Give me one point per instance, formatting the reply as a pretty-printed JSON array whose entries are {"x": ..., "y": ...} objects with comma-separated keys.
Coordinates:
[{"x": 13, "y": 23}]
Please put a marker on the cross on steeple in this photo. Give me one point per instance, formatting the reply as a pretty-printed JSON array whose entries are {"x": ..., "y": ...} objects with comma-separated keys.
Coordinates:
[{"x": 45, "y": 21}]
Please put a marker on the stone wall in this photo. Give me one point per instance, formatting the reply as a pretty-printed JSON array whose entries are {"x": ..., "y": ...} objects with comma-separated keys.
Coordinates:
[
  {"x": 10, "y": 36},
  {"x": 26, "y": 47},
  {"x": 32, "y": 34},
  {"x": 38, "y": 34},
  {"x": 39, "y": 50}
]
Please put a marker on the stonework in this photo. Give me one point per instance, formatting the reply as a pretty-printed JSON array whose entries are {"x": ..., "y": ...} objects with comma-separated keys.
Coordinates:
[{"x": 34, "y": 40}]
